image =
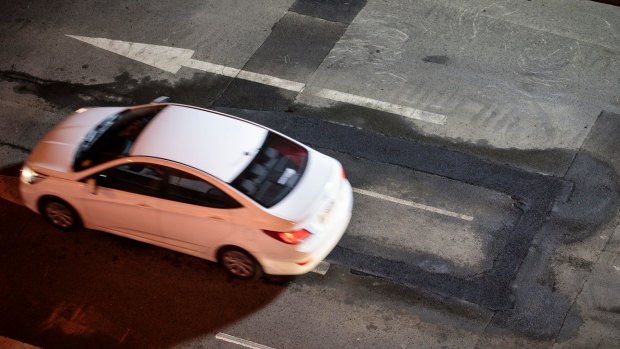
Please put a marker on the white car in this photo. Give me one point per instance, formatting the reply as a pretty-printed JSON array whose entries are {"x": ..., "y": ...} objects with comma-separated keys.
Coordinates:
[{"x": 192, "y": 180}]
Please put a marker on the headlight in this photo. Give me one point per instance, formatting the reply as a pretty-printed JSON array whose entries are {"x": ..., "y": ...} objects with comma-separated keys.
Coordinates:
[{"x": 29, "y": 176}]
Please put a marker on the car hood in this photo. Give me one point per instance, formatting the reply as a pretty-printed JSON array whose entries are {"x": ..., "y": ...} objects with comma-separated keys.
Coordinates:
[{"x": 56, "y": 151}]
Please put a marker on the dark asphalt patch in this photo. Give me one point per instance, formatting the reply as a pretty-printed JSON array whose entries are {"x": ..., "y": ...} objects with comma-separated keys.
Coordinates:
[
  {"x": 252, "y": 95},
  {"x": 329, "y": 10},
  {"x": 293, "y": 51},
  {"x": 436, "y": 59},
  {"x": 295, "y": 48},
  {"x": 539, "y": 160},
  {"x": 536, "y": 191},
  {"x": 520, "y": 287}
]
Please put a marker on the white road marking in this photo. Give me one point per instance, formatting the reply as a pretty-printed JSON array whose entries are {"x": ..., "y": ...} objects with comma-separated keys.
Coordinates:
[
  {"x": 165, "y": 58},
  {"x": 212, "y": 68},
  {"x": 413, "y": 204},
  {"x": 409, "y": 112},
  {"x": 271, "y": 81},
  {"x": 321, "y": 268},
  {"x": 171, "y": 59},
  {"x": 240, "y": 341}
]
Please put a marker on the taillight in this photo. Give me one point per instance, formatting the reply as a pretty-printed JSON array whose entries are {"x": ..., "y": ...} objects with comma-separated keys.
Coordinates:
[
  {"x": 289, "y": 237},
  {"x": 343, "y": 174}
]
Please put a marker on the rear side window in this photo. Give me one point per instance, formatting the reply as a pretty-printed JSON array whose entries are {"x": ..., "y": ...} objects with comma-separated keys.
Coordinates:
[
  {"x": 274, "y": 172},
  {"x": 189, "y": 189}
]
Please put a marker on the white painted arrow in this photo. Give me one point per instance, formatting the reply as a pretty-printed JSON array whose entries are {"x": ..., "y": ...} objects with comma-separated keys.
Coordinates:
[{"x": 171, "y": 59}]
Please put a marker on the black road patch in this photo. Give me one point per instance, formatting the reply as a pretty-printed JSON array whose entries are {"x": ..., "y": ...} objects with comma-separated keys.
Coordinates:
[
  {"x": 295, "y": 48},
  {"x": 543, "y": 160},
  {"x": 436, "y": 59},
  {"x": 293, "y": 51},
  {"x": 520, "y": 286},
  {"x": 256, "y": 96},
  {"x": 536, "y": 192},
  {"x": 343, "y": 11}
]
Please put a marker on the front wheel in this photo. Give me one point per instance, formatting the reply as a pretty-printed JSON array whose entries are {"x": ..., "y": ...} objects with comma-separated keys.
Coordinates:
[
  {"x": 60, "y": 214},
  {"x": 240, "y": 264}
]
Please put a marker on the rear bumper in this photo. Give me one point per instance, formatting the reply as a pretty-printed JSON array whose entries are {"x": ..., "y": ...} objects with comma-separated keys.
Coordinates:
[{"x": 319, "y": 251}]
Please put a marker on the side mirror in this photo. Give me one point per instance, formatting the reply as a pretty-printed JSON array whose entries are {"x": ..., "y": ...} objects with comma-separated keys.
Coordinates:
[
  {"x": 91, "y": 183},
  {"x": 161, "y": 99}
]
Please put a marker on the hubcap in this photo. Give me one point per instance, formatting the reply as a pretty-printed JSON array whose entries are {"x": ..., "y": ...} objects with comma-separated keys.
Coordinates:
[
  {"x": 238, "y": 263},
  {"x": 59, "y": 214}
]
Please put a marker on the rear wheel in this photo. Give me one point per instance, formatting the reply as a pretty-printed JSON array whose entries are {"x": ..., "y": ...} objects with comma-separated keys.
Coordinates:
[
  {"x": 60, "y": 214},
  {"x": 240, "y": 263}
]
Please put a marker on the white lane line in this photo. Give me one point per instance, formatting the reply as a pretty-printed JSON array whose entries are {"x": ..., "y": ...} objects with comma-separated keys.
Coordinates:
[
  {"x": 171, "y": 59},
  {"x": 413, "y": 204},
  {"x": 212, "y": 68},
  {"x": 409, "y": 112},
  {"x": 271, "y": 81},
  {"x": 240, "y": 341}
]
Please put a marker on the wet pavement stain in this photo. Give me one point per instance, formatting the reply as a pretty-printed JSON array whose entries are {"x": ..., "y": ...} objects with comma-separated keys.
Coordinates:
[
  {"x": 436, "y": 59},
  {"x": 199, "y": 90}
]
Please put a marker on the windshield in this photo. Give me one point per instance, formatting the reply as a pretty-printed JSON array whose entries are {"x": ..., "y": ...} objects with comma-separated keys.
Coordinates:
[
  {"x": 274, "y": 172},
  {"x": 113, "y": 137}
]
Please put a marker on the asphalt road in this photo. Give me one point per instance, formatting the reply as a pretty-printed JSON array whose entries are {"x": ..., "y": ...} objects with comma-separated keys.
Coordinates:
[{"x": 481, "y": 139}]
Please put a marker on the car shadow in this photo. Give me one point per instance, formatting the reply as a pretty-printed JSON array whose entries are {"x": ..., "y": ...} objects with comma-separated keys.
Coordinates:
[{"x": 89, "y": 289}]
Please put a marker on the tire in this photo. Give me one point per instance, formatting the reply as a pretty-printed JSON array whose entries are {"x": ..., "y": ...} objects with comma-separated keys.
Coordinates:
[
  {"x": 239, "y": 263},
  {"x": 60, "y": 214}
]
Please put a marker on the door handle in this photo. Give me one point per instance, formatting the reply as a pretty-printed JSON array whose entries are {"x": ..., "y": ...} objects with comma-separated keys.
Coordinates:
[
  {"x": 143, "y": 205},
  {"x": 216, "y": 218}
]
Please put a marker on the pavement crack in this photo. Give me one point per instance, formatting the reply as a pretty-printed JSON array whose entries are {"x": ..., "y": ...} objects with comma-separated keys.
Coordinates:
[{"x": 15, "y": 146}]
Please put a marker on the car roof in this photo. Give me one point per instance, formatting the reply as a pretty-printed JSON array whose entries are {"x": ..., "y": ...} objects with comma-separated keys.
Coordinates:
[{"x": 217, "y": 144}]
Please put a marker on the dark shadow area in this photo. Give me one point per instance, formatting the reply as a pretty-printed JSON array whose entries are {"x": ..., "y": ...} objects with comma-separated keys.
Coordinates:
[
  {"x": 11, "y": 170},
  {"x": 89, "y": 289}
]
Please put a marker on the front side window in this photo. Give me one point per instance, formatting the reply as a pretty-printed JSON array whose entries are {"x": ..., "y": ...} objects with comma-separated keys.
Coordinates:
[
  {"x": 274, "y": 172},
  {"x": 189, "y": 189},
  {"x": 138, "y": 178}
]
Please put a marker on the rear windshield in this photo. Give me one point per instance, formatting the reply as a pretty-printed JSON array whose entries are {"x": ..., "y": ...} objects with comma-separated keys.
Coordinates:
[
  {"x": 274, "y": 172},
  {"x": 113, "y": 137}
]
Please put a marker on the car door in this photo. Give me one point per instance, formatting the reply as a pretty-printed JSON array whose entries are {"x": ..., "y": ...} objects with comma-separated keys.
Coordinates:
[
  {"x": 126, "y": 200},
  {"x": 195, "y": 214}
]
